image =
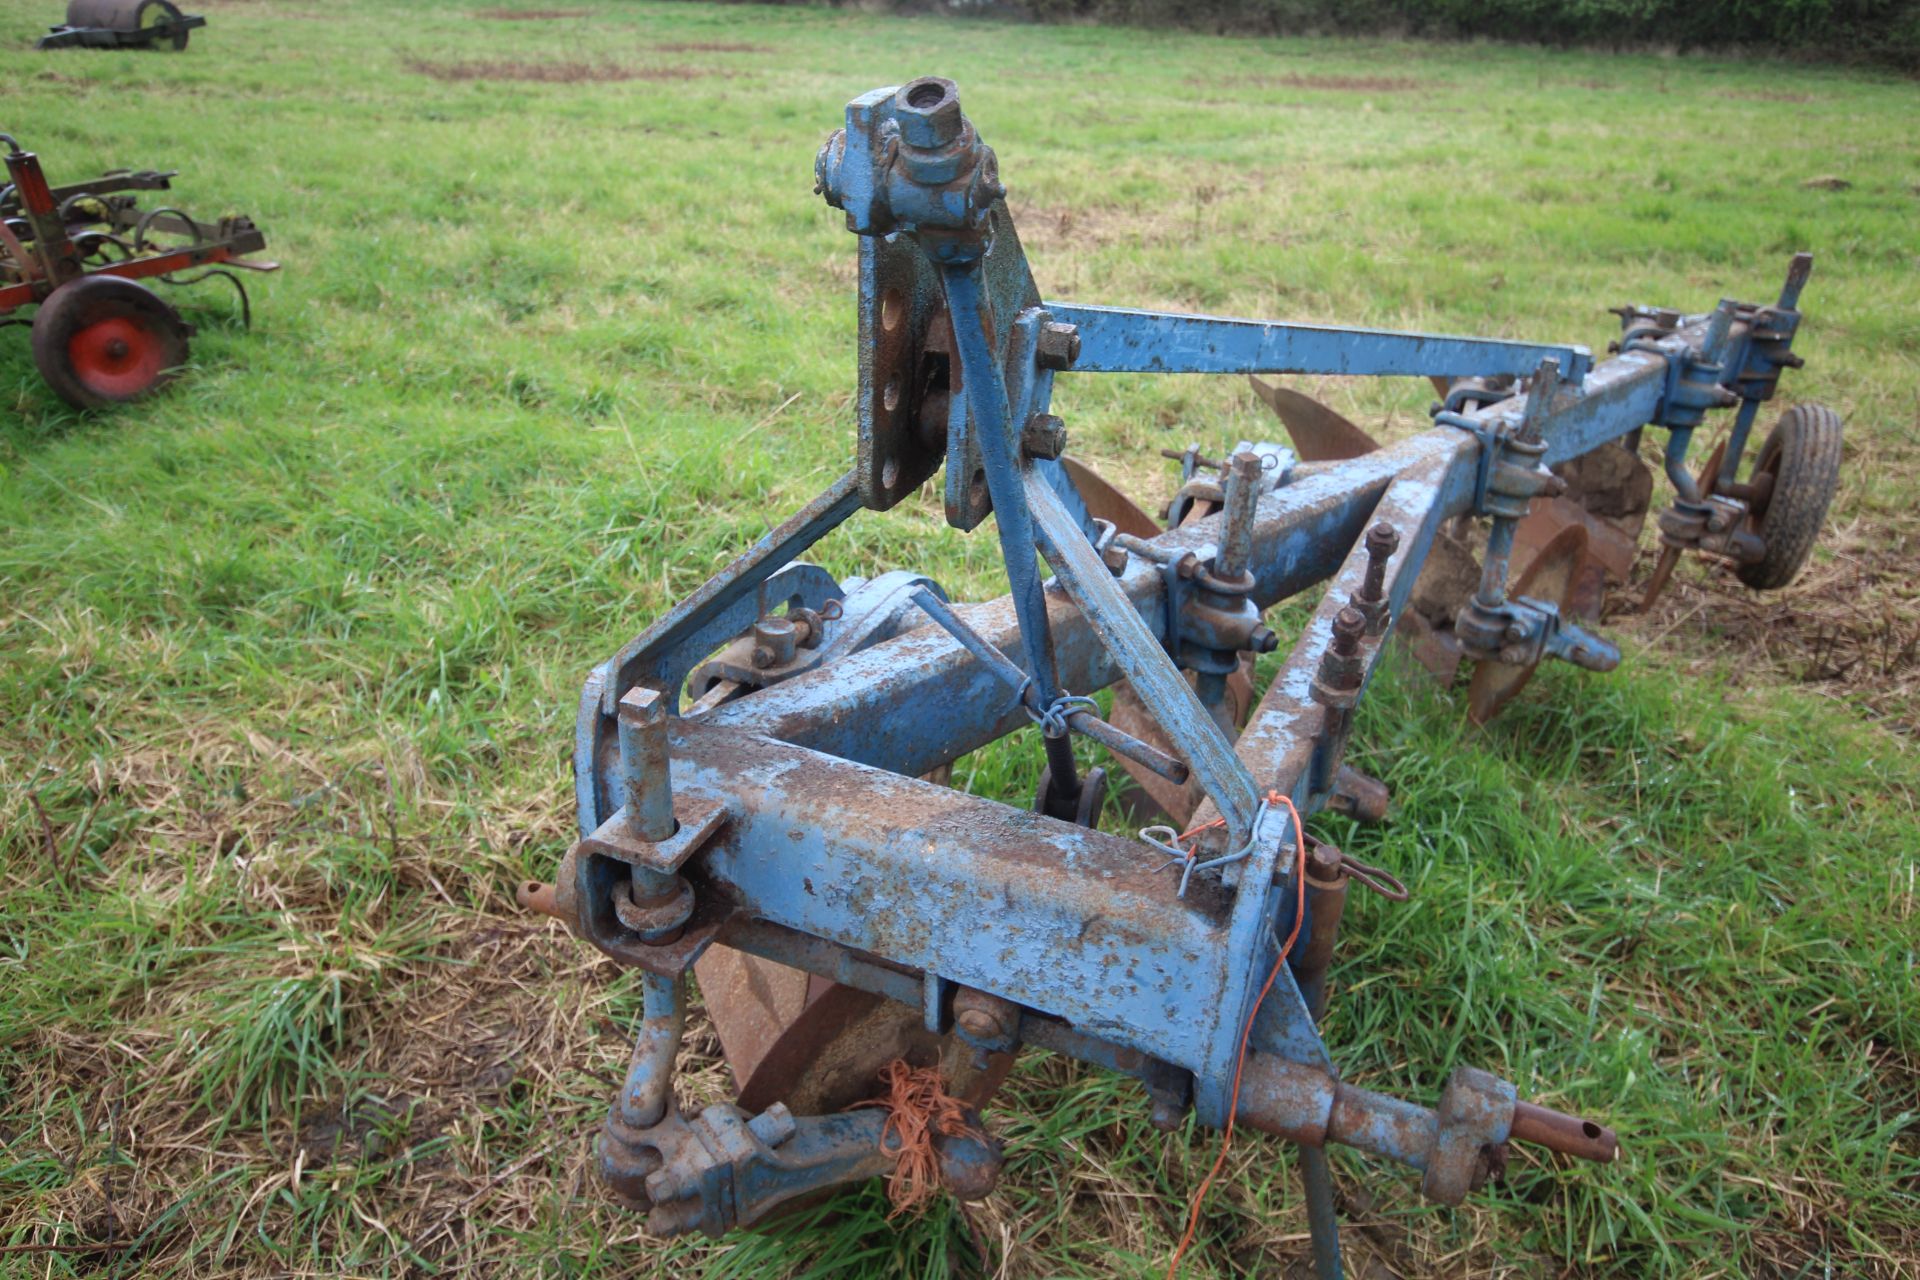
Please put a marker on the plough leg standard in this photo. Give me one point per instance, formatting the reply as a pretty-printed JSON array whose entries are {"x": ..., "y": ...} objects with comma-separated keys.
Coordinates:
[{"x": 757, "y": 774}]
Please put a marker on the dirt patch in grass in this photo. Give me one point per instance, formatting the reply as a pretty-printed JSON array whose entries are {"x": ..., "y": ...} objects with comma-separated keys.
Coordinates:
[
  {"x": 712, "y": 46},
  {"x": 529, "y": 15},
  {"x": 508, "y": 69},
  {"x": 1766, "y": 95},
  {"x": 1848, "y": 628},
  {"x": 1337, "y": 84},
  {"x": 1074, "y": 228},
  {"x": 1849, "y": 638}
]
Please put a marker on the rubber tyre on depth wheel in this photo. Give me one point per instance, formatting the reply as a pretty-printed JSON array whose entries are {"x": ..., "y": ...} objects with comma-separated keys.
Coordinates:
[
  {"x": 101, "y": 341},
  {"x": 1803, "y": 454}
]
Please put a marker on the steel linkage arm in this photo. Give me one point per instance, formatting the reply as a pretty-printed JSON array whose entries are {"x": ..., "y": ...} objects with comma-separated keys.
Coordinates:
[
  {"x": 1136, "y": 650},
  {"x": 1457, "y": 1146},
  {"x": 1123, "y": 340},
  {"x": 722, "y": 1169}
]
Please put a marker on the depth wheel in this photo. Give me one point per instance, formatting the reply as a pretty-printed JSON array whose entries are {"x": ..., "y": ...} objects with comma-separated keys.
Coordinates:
[
  {"x": 1794, "y": 480},
  {"x": 101, "y": 341}
]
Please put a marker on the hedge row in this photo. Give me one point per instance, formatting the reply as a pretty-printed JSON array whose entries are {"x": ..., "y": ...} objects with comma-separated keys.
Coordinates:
[{"x": 1886, "y": 32}]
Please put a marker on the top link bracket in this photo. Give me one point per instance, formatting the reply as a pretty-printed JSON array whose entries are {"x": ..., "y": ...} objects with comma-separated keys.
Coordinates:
[{"x": 908, "y": 159}]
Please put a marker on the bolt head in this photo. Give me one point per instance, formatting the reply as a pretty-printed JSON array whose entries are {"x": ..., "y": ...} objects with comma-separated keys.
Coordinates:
[
  {"x": 773, "y": 627},
  {"x": 1058, "y": 347},
  {"x": 1349, "y": 623},
  {"x": 1045, "y": 436},
  {"x": 1382, "y": 540}
]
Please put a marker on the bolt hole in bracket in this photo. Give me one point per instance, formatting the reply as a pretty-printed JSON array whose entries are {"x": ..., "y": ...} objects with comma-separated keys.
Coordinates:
[
  {"x": 910, "y": 402},
  {"x": 794, "y": 814}
]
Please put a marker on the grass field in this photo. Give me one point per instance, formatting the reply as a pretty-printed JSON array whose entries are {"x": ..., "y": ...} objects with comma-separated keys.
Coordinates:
[{"x": 289, "y": 656}]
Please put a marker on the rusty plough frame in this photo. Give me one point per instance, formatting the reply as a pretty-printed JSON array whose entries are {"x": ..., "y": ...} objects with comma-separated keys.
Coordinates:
[{"x": 751, "y": 770}]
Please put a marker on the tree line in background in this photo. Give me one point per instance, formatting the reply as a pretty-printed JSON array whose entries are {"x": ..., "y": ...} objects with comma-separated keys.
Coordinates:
[{"x": 1886, "y": 32}]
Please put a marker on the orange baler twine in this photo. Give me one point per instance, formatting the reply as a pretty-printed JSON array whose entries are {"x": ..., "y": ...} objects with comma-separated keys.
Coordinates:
[{"x": 1240, "y": 1061}]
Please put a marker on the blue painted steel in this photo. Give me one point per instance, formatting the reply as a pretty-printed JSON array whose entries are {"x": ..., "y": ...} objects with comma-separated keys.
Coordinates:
[
  {"x": 834, "y": 857},
  {"x": 1435, "y": 475},
  {"x": 1062, "y": 485},
  {"x": 666, "y": 648},
  {"x": 908, "y": 161},
  {"x": 1316, "y": 1177},
  {"x": 1011, "y": 301},
  {"x": 648, "y": 1091},
  {"x": 669, "y": 652},
  {"x": 918, "y": 701},
  {"x": 854, "y": 175},
  {"x": 1136, "y": 651},
  {"x": 986, "y": 394},
  {"x": 1122, "y": 340},
  {"x": 1072, "y": 922},
  {"x": 1736, "y": 442},
  {"x": 1069, "y": 711}
]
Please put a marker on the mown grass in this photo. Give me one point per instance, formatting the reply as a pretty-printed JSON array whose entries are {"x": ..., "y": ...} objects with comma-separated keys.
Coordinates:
[{"x": 288, "y": 657}]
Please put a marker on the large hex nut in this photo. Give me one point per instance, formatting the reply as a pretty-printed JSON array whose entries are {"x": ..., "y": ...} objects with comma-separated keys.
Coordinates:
[
  {"x": 1058, "y": 346},
  {"x": 928, "y": 111},
  {"x": 1045, "y": 436}
]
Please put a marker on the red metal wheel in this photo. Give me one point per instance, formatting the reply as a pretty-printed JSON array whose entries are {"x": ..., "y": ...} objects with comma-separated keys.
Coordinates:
[{"x": 101, "y": 341}]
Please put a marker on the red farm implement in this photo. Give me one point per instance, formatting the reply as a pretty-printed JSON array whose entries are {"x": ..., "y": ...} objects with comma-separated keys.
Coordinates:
[{"x": 78, "y": 255}]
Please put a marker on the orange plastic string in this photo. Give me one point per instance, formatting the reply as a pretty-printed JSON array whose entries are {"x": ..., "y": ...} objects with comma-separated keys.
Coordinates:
[
  {"x": 1240, "y": 1062},
  {"x": 918, "y": 1107}
]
